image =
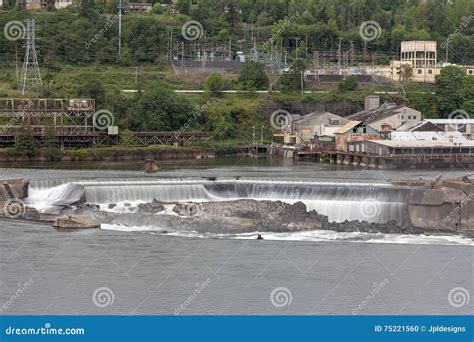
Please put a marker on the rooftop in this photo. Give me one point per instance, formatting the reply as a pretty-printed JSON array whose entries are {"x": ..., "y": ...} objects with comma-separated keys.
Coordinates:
[
  {"x": 415, "y": 125},
  {"x": 428, "y": 144},
  {"x": 451, "y": 121},
  {"x": 384, "y": 111},
  {"x": 428, "y": 136},
  {"x": 347, "y": 126}
]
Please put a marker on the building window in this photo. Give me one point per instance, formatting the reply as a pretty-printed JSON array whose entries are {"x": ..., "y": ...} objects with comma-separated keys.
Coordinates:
[
  {"x": 470, "y": 72},
  {"x": 430, "y": 71},
  {"x": 419, "y": 71}
]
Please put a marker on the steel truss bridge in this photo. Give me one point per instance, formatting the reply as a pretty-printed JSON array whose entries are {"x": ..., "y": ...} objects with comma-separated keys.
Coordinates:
[{"x": 72, "y": 124}]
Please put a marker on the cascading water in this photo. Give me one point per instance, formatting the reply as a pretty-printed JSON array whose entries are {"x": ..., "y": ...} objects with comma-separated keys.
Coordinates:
[{"x": 339, "y": 201}]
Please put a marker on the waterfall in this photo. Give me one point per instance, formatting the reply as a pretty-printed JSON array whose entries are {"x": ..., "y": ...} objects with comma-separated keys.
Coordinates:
[{"x": 339, "y": 201}]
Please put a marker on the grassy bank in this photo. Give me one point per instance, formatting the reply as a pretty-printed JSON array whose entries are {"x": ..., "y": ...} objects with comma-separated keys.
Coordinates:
[{"x": 110, "y": 153}]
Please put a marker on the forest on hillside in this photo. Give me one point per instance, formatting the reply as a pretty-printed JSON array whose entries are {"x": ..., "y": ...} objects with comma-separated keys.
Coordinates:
[
  {"x": 78, "y": 56},
  {"x": 302, "y": 27}
]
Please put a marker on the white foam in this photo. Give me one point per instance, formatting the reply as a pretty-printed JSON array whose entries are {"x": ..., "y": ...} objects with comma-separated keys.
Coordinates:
[{"x": 313, "y": 235}]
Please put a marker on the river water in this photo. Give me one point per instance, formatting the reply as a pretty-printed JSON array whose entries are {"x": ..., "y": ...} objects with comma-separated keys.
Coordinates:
[{"x": 140, "y": 270}]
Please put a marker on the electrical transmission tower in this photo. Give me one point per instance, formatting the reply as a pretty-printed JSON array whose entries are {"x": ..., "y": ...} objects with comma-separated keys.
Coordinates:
[{"x": 30, "y": 72}]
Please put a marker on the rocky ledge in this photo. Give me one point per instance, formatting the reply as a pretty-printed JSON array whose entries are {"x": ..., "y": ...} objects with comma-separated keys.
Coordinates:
[{"x": 237, "y": 216}]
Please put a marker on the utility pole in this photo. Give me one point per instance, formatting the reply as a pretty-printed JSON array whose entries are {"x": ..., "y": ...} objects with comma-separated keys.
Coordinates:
[
  {"x": 446, "y": 58},
  {"x": 182, "y": 56},
  {"x": 120, "y": 7},
  {"x": 30, "y": 72},
  {"x": 255, "y": 53},
  {"x": 297, "y": 39},
  {"x": 302, "y": 82},
  {"x": 245, "y": 38},
  {"x": 317, "y": 67},
  {"x": 306, "y": 49},
  {"x": 16, "y": 64},
  {"x": 339, "y": 54},
  {"x": 351, "y": 60},
  {"x": 136, "y": 74}
]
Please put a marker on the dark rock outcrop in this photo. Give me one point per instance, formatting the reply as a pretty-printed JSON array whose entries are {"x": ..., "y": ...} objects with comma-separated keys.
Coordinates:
[
  {"x": 244, "y": 216},
  {"x": 152, "y": 207}
]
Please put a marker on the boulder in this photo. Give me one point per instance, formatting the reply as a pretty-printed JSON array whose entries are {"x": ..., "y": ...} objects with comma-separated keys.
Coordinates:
[
  {"x": 151, "y": 207},
  {"x": 76, "y": 222},
  {"x": 151, "y": 166},
  {"x": 13, "y": 188}
]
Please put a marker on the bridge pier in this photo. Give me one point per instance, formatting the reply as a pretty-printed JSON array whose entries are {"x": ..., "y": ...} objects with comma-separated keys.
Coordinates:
[
  {"x": 374, "y": 163},
  {"x": 356, "y": 160},
  {"x": 347, "y": 160}
]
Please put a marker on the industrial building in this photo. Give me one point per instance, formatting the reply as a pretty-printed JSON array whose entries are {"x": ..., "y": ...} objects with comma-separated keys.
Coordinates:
[
  {"x": 354, "y": 131},
  {"x": 385, "y": 117},
  {"x": 318, "y": 124},
  {"x": 411, "y": 147},
  {"x": 465, "y": 126}
]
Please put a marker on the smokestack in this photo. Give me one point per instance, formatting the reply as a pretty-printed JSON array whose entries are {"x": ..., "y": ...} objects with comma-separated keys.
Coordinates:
[{"x": 372, "y": 102}]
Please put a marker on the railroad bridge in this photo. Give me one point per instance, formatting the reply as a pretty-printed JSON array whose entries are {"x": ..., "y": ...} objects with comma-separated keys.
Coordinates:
[{"x": 76, "y": 123}]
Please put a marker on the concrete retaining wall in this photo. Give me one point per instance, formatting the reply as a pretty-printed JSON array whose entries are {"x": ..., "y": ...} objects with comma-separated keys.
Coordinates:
[{"x": 13, "y": 188}]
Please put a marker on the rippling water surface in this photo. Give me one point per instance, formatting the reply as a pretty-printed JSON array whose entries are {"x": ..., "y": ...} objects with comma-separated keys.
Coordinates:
[{"x": 151, "y": 272}]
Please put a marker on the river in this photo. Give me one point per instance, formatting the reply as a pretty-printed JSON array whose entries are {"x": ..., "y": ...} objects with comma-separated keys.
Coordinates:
[{"x": 142, "y": 270}]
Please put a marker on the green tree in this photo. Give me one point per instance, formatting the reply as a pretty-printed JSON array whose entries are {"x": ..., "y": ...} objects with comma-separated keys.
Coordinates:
[
  {"x": 50, "y": 144},
  {"x": 348, "y": 84},
  {"x": 25, "y": 144},
  {"x": 406, "y": 72},
  {"x": 183, "y": 6},
  {"x": 214, "y": 83},
  {"x": 219, "y": 121},
  {"x": 292, "y": 79},
  {"x": 253, "y": 76},
  {"x": 157, "y": 8},
  {"x": 92, "y": 89},
  {"x": 158, "y": 109},
  {"x": 448, "y": 94}
]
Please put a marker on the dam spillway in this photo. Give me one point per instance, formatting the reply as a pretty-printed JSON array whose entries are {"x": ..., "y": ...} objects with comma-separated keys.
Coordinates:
[{"x": 371, "y": 202}]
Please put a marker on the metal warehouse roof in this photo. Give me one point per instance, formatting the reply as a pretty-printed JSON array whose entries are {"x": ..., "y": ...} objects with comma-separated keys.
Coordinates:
[
  {"x": 451, "y": 121},
  {"x": 428, "y": 136},
  {"x": 347, "y": 126},
  {"x": 412, "y": 143}
]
